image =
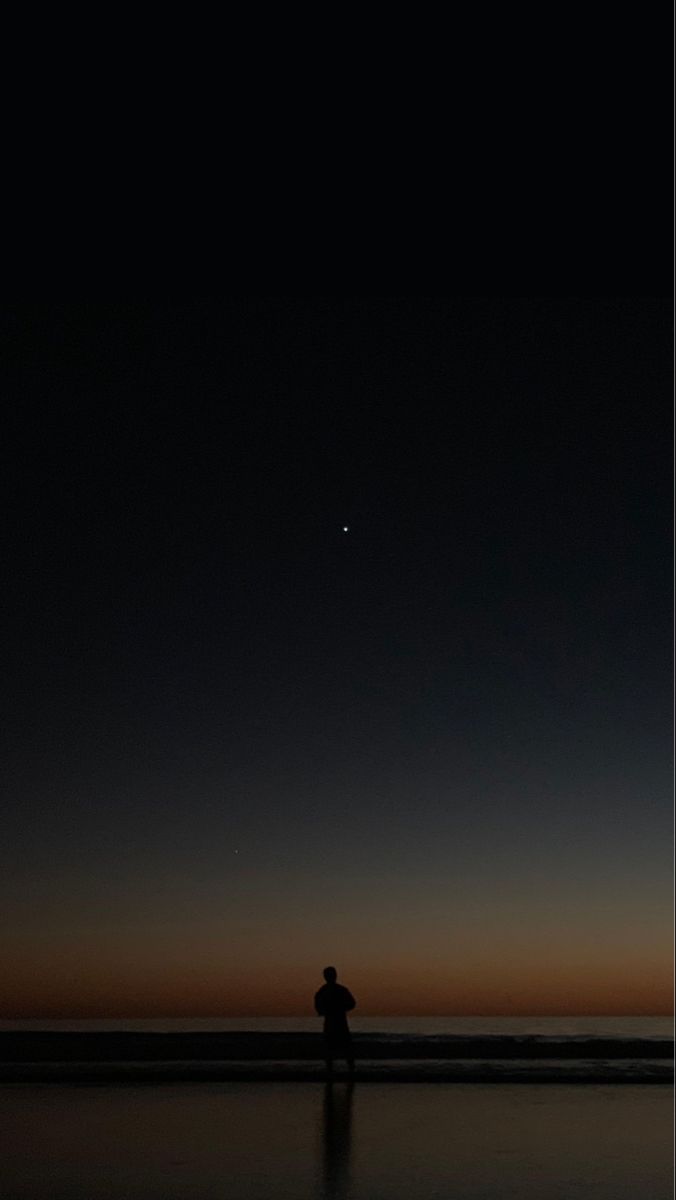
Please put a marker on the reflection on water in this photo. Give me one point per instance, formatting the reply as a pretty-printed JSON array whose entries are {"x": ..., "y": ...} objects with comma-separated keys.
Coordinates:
[
  {"x": 336, "y": 1134},
  {"x": 310, "y": 1141}
]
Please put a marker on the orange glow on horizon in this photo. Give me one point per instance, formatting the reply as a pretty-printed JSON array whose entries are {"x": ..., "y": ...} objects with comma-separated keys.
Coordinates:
[{"x": 567, "y": 991}]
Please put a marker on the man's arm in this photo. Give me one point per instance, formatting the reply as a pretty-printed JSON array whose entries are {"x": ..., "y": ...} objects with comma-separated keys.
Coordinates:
[{"x": 350, "y": 1001}]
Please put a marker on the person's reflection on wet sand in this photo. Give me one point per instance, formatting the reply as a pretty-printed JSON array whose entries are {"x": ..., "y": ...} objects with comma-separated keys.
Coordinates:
[{"x": 337, "y": 1119}]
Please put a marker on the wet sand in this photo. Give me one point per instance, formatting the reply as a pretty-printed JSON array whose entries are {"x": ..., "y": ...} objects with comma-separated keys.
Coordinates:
[{"x": 309, "y": 1141}]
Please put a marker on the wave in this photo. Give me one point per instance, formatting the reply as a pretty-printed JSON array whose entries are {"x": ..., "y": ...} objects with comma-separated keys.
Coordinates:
[{"x": 267, "y": 1055}]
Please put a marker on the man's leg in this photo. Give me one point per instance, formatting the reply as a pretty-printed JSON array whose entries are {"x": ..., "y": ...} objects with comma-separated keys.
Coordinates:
[
  {"x": 328, "y": 1055},
  {"x": 349, "y": 1055}
]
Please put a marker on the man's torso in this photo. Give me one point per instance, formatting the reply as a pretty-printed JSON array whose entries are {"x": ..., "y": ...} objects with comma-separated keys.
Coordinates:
[{"x": 333, "y": 1001}]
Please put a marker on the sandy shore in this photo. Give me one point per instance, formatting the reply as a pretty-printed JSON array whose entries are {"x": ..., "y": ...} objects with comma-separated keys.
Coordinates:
[{"x": 308, "y": 1141}]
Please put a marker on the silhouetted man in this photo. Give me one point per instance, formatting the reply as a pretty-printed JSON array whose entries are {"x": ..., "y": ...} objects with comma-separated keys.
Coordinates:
[{"x": 332, "y": 1002}]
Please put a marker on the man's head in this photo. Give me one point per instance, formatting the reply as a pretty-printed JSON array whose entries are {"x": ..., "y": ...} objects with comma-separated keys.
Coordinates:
[{"x": 330, "y": 974}]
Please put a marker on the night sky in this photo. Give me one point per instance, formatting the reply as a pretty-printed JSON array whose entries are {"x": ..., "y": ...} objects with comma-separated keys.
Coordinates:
[{"x": 241, "y": 743}]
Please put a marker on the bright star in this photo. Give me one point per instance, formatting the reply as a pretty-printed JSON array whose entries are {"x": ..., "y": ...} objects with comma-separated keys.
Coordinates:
[{"x": 345, "y": 528}]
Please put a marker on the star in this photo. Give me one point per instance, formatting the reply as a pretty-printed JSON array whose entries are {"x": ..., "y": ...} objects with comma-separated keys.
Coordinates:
[{"x": 346, "y": 528}]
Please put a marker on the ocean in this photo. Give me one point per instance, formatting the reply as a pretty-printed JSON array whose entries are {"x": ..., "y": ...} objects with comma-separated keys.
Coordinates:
[
  {"x": 556, "y": 1027},
  {"x": 394, "y": 1049}
]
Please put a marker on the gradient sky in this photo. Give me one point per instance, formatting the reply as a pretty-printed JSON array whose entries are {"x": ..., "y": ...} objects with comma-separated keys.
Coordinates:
[{"x": 241, "y": 743}]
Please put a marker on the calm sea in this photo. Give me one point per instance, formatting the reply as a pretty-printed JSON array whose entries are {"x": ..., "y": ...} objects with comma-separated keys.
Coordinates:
[{"x": 558, "y": 1027}]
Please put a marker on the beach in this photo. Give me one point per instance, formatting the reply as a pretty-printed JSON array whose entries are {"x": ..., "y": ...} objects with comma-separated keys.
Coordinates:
[
  {"x": 313, "y": 1141},
  {"x": 461, "y": 1109}
]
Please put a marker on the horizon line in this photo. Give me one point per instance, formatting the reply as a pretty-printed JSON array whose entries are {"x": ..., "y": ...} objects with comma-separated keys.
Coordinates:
[{"x": 249, "y": 1016}]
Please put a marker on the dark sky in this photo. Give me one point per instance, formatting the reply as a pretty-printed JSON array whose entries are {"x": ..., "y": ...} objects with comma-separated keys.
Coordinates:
[{"x": 240, "y": 742}]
